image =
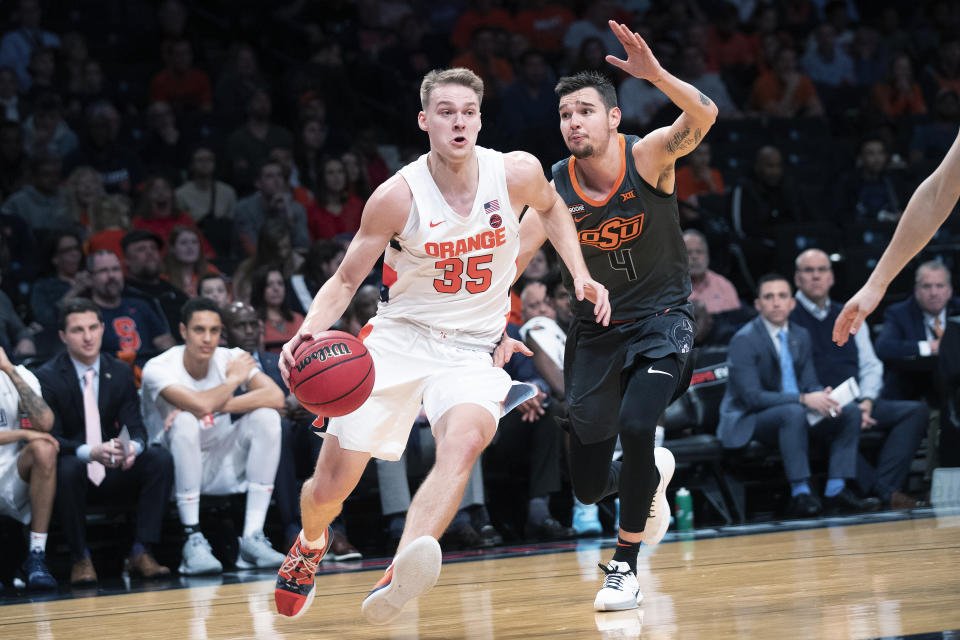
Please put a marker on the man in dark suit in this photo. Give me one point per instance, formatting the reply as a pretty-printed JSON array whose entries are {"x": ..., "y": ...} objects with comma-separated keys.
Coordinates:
[
  {"x": 93, "y": 396},
  {"x": 772, "y": 386},
  {"x": 245, "y": 330},
  {"x": 903, "y": 421},
  {"x": 910, "y": 341}
]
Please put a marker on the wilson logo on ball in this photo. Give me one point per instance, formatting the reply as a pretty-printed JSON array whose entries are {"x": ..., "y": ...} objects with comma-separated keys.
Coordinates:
[{"x": 320, "y": 355}]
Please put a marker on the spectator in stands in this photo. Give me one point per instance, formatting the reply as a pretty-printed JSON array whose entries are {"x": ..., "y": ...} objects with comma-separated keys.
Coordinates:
[
  {"x": 14, "y": 163},
  {"x": 204, "y": 196},
  {"x": 322, "y": 261},
  {"x": 184, "y": 263},
  {"x": 773, "y": 386},
  {"x": 944, "y": 74},
  {"x": 483, "y": 58},
  {"x": 482, "y": 13},
  {"x": 716, "y": 292},
  {"x": 164, "y": 147},
  {"x": 931, "y": 140},
  {"x": 11, "y": 107},
  {"x": 358, "y": 182},
  {"x": 785, "y": 92},
  {"x": 237, "y": 83},
  {"x": 694, "y": 71},
  {"x": 18, "y": 44},
  {"x": 156, "y": 213},
  {"x": 42, "y": 204},
  {"x": 900, "y": 94},
  {"x": 133, "y": 327},
  {"x": 244, "y": 329},
  {"x": 309, "y": 153},
  {"x": 189, "y": 403},
  {"x": 45, "y": 131},
  {"x": 869, "y": 58},
  {"x": 94, "y": 401},
  {"x": 28, "y": 470},
  {"x": 533, "y": 108},
  {"x": 274, "y": 249},
  {"x": 141, "y": 256},
  {"x": 268, "y": 295},
  {"x": 248, "y": 146},
  {"x": 697, "y": 177},
  {"x": 118, "y": 164},
  {"x": 338, "y": 210},
  {"x": 593, "y": 24},
  {"x": 272, "y": 201},
  {"x": 544, "y": 24},
  {"x": 639, "y": 102},
  {"x": 213, "y": 286},
  {"x": 108, "y": 224},
  {"x": 909, "y": 343},
  {"x": 74, "y": 56},
  {"x": 904, "y": 421},
  {"x": 762, "y": 202},
  {"x": 291, "y": 179},
  {"x": 592, "y": 57},
  {"x": 825, "y": 61},
  {"x": 84, "y": 195},
  {"x": 179, "y": 84},
  {"x": 873, "y": 193},
  {"x": 43, "y": 73},
  {"x": 63, "y": 252}
]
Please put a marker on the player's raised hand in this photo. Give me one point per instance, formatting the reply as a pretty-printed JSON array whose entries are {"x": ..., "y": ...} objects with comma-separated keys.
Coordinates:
[
  {"x": 505, "y": 350},
  {"x": 597, "y": 294},
  {"x": 640, "y": 62},
  {"x": 855, "y": 312}
]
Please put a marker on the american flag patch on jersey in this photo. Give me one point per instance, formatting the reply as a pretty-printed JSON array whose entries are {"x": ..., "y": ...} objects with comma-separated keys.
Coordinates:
[{"x": 490, "y": 207}]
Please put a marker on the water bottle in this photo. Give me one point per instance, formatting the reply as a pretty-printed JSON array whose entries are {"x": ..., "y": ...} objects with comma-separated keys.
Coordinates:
[{"x": 684, "y": 510}]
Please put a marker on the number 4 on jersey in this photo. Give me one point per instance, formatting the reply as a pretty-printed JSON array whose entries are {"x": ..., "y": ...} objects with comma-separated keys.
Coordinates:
[{"x": 621, "y": 260}]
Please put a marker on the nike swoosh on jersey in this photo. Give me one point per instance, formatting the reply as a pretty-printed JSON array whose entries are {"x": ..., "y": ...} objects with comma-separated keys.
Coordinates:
[
  {"x": 584, "y": 216},
  {"x": 650, "y": 369},
  {"x": 435, "y": 224}
]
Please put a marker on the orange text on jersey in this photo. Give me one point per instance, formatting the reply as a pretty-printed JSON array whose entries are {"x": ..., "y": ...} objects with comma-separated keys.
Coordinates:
[{"x": 484, "y": 240}]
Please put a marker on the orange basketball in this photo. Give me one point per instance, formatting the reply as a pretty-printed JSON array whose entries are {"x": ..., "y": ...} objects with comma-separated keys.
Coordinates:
[{"x": 332, "y": 375}]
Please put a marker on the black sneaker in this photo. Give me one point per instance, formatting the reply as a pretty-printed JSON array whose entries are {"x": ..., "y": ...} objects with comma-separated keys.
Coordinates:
[
  {"x": 35, "y": 573},
  {"x": 549, "y": 529},
  {"x": 460, "y": 537},
  {"x": 803, "y": 505},
  {"x": 489, "y": 536}
]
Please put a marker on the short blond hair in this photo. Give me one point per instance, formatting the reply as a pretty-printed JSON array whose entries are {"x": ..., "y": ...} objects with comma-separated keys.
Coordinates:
[{"x": 458, "y": 75}]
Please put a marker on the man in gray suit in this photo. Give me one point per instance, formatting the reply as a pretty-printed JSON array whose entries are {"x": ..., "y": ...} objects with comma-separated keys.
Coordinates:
[{"x": 773, "y": 384}]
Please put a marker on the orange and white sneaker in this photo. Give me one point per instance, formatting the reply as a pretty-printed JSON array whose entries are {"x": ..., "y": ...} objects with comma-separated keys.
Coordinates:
[
  {"x": 295, "y": 580},
  {"x": 413, "y": 572}
]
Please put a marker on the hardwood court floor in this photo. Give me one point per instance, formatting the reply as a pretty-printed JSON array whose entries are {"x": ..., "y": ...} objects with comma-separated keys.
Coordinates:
[{"x": 864, "y": 581}]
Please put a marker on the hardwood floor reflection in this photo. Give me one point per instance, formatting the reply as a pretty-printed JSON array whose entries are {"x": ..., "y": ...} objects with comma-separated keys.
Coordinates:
[{"x": 864, "y": 581}]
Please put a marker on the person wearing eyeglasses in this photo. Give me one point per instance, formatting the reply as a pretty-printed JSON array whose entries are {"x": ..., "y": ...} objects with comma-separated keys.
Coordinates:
[{"x": 903, "y": 421}]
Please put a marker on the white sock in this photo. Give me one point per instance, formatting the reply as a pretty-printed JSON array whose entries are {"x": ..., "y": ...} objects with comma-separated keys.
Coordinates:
[
  {"x": 313, "y": 544},
  {"x": 38, "y": 541},
  {"x": 258, "y": 501},
  {"x": 188, "y": 505}
]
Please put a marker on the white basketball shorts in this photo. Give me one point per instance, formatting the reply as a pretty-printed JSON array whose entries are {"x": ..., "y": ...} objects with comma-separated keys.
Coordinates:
[{"x": 413, "y": 367}]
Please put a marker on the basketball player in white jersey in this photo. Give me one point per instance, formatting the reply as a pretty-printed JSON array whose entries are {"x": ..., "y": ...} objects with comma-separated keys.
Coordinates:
[{"x": 449, "y": 225}]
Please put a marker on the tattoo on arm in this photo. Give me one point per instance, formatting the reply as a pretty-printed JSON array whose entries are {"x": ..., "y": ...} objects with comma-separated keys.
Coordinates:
[
  {"x": 32, "y": 404},
  {"x": 681, "y": 142},
  {"x": 704, "y": 100}
]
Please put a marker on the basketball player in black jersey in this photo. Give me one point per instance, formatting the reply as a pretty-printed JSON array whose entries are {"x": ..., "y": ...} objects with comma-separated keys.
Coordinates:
[{"x": 619, "y": 379}]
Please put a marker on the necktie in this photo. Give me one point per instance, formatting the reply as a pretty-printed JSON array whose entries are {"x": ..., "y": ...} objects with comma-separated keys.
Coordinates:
[
  {"x": 937, "y": 328},
  {"x": 91, "y": 415},
  {"x": 788, "y": 379}
]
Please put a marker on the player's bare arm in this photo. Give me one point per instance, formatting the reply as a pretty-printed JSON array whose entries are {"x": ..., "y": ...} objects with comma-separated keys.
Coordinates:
[
  {"x": 41, "y": 417},
  {"x": 656, "y": 153},
  {"x": 263, "y": 393},
  {"x": 527, "y": 184},
  {"x": 384, "y": 216},
  {"x": 929, "y": 206}
]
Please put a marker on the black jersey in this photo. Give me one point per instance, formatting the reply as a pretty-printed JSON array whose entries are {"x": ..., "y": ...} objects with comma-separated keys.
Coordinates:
[{"x": 631, "y": 241}]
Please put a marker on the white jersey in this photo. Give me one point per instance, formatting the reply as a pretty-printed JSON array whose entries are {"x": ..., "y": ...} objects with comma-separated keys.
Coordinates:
[{"x": 449, "y": 272}]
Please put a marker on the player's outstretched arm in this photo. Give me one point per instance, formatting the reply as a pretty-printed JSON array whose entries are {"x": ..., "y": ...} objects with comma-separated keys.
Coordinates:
[
  {"x": 527, "y": 184},
  {"x": 384, "y": 216},
  {"x": 929, "y": 206},
  {"x": 663, "y": 146}
]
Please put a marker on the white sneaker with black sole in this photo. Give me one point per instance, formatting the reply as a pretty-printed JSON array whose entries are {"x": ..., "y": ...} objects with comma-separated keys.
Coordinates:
[
  {"x": 620, "y": 590},
  {"x": 659, "y": 519},
  {"x": 414, "y": 572}
]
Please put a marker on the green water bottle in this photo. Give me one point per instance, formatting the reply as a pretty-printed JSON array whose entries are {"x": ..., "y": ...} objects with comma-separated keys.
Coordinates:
[{"x": 684, "y": 510}]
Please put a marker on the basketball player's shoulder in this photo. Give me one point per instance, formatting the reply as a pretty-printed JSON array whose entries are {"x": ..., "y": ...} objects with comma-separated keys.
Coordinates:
[
  {"x": 391, "y": 201},
  {"x": 521, "y": 168}
]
